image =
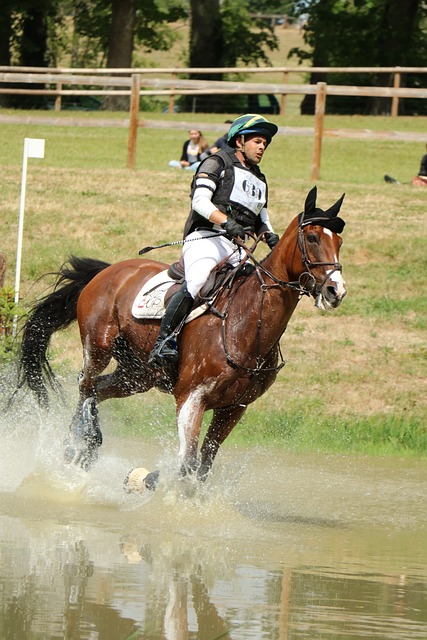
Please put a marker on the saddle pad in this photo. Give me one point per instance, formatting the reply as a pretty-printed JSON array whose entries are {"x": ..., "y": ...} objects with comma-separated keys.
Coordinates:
[{"x": 149, "y": 303}]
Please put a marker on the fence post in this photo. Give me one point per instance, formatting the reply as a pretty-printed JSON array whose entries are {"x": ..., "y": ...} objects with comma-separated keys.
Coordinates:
[
  {"x": 395, "y": 99},
  {"x": 318, "y": 129},
  {"x": 172, "y": 95},
  {"x": 283, "y": 99},
  {"x": 133, "y": 119},
  {"x": 58, "y": 98}
]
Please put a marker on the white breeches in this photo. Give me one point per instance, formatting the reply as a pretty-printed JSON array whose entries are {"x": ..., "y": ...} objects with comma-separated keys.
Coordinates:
[{"x": 201, "y": 256}]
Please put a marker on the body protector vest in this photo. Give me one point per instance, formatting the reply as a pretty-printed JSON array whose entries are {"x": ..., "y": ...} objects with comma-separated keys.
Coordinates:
[{"x": 241, "y": 193}]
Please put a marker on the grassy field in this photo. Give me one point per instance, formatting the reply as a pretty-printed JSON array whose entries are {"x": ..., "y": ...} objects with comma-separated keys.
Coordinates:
[{"x": 355, "y": 379}]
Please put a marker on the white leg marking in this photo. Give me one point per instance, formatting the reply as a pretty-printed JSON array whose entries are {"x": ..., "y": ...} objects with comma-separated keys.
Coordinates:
[{"x": 185, "y": 417}]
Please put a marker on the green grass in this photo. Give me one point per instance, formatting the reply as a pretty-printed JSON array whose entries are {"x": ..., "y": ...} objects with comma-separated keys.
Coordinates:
[
  {"x": 354, "y": 379},
  {"x": 342, "y": 160},
  {"x": 301, "y": 428}
]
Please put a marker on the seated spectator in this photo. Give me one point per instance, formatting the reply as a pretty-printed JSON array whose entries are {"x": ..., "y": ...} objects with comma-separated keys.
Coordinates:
[
  {"x": 221, "y": 143},
  {"x": 421, "y": 179},
  {"x": 192, "y": 151}
]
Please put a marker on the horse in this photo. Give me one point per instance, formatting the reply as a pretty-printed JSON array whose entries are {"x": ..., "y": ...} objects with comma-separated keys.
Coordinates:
[{"x": 229, "y": 356}]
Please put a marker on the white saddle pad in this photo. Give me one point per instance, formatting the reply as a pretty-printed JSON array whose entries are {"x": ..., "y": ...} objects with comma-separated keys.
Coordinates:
[{"x": 149, "y": 303}]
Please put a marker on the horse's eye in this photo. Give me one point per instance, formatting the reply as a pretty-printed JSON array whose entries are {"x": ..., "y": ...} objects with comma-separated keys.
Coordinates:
[{"x": 312, "y": 237}]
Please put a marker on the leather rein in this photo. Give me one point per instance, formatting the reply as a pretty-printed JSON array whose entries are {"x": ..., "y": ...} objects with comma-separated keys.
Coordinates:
[{"x": 310, "y": 287}]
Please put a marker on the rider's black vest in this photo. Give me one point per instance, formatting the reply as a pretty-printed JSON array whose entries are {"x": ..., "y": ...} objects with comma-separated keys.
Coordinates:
[{"x": 222, "y": 197}]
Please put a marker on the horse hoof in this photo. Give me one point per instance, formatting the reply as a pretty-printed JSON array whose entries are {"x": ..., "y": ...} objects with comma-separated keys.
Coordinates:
[
  {"x": 151, "y": 480},
  {"x": 135, "y": 480}
]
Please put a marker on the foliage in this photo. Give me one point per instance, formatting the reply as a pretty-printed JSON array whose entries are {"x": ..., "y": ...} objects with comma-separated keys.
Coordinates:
[
  {"x": 241, "y": 38},
  {"x": 92, "y": 19},
  {"x": 8, "y": 312},
  {"x": 80, "y": 28},
  {"x": 246, "y": 38},
  {"x": 381, "y": 32}
]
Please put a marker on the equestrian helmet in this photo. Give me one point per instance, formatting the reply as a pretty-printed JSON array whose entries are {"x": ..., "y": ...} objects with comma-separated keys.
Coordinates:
[{"x": 248, "y": 124}]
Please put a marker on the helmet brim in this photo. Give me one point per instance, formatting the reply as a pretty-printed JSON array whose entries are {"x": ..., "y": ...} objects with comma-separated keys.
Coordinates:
[{"x": 267, "y": 129}]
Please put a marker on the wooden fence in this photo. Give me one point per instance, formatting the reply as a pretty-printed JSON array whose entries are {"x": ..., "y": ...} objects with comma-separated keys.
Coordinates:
[
  {"x": 139, "y": 82},
  {"x": 118, "y": 82}
]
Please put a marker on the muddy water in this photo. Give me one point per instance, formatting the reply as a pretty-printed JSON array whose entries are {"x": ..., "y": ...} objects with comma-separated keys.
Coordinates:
[{"x": 275, "y": 545}]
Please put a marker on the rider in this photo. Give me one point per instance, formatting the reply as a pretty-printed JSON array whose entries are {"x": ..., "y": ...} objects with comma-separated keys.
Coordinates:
[{"x": 229, "y": 195}]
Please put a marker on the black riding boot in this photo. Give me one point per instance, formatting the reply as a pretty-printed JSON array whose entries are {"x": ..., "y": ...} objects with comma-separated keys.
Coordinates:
[{"x": 165, "y": 349}]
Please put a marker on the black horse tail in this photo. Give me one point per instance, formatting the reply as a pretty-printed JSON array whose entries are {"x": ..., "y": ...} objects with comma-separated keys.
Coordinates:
[{"x": 55, "y": 311}]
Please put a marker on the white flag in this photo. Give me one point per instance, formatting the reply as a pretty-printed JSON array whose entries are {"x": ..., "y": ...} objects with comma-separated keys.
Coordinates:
[{"x": 35, "y": 147}]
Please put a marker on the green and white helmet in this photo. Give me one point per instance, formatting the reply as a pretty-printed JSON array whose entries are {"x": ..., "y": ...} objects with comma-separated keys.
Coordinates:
[{"x": 248, "y": 124}]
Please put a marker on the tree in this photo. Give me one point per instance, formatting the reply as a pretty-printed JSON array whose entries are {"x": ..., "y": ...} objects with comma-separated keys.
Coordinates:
[
  {"x": 112, "y": 29},
  {"x": 24, "y": 37},
  {"x": 233, "y": 35},
  {"x": 6, "y": 32},
  {"x": 362, "y": 33},
  {"x": 122, "y": 31}
]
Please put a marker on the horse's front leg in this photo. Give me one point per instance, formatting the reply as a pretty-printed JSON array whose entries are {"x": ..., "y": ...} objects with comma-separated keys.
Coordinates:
[
  {"x": 223, "y": 422},
  {"x": 189, "y": 419},
  {"x": 189, "y": 411}
]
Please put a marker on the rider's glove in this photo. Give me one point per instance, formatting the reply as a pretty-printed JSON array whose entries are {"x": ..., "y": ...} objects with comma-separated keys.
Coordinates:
[
  {"x": 271, "y": 239},
  {"x": 233, "y": 229}
]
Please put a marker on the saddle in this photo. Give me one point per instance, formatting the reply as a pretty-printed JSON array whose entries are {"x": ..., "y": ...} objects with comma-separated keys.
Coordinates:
[
  {"x": 154, "y": 296},
  {"x": 211, "y": 287}
]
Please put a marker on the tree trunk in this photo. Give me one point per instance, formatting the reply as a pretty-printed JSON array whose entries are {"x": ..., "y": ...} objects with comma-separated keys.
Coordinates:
[
  {"x": 120, "y": 45},
  {"x": 34, "y": 38},
  {"x": 33, "y": 53},
  {"x": 5, "y": 57},
  {"x": 205, "y": 46},
  {"x": 308, "y": 103},
  {"x": 398, "y": 24}
]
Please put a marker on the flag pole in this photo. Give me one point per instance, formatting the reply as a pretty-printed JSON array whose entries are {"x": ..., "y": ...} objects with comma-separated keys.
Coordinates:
[
  {"x": 21, "y": 221},
  {"x": 33, "y": 148}
]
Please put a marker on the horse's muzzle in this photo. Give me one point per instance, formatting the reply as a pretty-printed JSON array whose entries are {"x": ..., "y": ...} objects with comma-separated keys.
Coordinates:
[{"x": 331, "y": 295}]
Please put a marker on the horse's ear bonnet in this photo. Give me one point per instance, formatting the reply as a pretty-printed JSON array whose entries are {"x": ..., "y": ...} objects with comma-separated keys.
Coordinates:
[{"x": 328, "y": 218}]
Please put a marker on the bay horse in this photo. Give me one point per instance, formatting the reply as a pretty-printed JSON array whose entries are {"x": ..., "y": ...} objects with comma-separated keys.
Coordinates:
[{"x": 229, "y": 356}]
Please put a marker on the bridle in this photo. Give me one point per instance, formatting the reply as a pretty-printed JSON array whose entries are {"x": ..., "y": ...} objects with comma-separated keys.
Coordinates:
[
  {"x": 305, "y": 285},
  {"x": 315, "y": 288}
]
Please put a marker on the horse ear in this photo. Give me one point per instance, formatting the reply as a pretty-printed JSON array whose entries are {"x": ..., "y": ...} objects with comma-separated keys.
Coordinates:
[
  {"x": 334, "y": 210},
  {"x": 310, "y": 202}
]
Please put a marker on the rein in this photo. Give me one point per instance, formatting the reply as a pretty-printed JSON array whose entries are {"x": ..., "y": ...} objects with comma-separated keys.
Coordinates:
[
  {"x": 253, "y": 371},
  {"x": 312, "y": 287}
]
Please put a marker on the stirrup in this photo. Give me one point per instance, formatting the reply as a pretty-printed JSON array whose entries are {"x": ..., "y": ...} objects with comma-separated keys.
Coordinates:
[{"x": 164, "y": 352}]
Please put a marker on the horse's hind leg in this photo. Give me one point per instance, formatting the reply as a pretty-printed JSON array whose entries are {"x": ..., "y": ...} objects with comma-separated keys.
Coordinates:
[
  {"x": 85, "y": 434},
  {"x": 223, "y": 422}
]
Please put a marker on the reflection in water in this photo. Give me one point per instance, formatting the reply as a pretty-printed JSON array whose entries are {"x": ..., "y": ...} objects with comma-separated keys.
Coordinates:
[
  {"x": 77, "y": 582},
  {"x": 322, "y": 547}
]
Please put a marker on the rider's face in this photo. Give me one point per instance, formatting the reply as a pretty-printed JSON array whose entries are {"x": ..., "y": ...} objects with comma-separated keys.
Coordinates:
[{"x": 254, "y": 147}]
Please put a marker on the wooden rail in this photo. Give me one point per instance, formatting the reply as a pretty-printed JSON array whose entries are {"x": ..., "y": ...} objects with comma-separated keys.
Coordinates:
[
  {"x": 135, "y": 83},
  {"x": 119, "y": 82}
]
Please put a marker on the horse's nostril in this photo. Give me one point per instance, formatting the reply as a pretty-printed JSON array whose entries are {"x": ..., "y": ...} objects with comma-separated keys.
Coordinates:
[{"x": 331, "y": 291}]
